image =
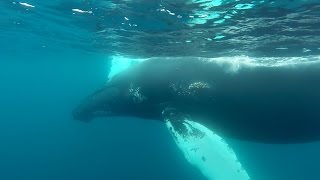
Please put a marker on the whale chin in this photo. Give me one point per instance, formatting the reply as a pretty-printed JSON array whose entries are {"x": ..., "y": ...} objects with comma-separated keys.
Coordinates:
[
  {"x": 87, "y": 117},
  {"x": 81, "y": 115}
]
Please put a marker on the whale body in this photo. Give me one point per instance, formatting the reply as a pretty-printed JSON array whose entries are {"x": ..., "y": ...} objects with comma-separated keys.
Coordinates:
[{"x": 262, "y": 103}]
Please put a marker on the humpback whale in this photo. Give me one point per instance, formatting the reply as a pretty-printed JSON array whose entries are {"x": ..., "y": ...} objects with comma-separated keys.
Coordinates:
[{"x": 201, "y": 101}]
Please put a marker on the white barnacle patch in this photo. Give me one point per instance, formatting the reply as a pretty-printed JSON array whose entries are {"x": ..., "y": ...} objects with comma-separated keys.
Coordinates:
[
  {"x": 199, "y": 85},
  {"x": 180, "y": 88},
  {"x": 136, "y": 94},
  {"x": 195, "y": 90}
]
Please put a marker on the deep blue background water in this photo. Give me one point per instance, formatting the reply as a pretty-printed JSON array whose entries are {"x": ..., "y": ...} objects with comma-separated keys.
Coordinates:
[
  {"x": 50, "y": 61},
  {"x": 40, "y": 140}
]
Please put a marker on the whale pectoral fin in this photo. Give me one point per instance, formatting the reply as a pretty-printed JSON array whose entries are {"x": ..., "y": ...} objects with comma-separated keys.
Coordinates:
[{"x": 203, "y": 148}]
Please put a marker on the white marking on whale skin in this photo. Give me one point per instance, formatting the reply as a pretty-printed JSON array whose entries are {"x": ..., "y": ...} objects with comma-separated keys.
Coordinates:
[
  {"x": 199, "y": 85},
  {"x": 189, "y": 89},
  {"x": 208, "y": 152},
  {"x": 135, "y": 93}
]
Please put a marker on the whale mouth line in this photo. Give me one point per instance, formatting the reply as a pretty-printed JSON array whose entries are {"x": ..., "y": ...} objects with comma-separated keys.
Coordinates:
[
  {"x": 102, "y": 113},
  {"x": 86, "y": 117}
]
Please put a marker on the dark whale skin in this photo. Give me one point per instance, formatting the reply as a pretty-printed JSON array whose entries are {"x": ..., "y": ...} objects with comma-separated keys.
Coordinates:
[{"x": 260, "y": 103}]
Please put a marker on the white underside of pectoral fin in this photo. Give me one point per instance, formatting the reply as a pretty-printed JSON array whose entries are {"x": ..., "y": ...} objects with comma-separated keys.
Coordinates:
[{"x": 207, "y": 151}]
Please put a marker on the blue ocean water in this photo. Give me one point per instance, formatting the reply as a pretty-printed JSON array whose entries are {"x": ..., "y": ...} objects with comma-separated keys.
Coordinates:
[{"x": 55, "y": 53}]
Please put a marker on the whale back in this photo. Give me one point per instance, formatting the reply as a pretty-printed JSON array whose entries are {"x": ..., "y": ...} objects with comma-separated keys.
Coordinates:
[{"x": 273, "y": 104}]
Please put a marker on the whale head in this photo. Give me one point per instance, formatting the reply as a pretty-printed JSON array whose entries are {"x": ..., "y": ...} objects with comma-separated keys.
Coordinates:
[
  {"x": 112, "y": 101},
  {"x": 104, "y": 102}
]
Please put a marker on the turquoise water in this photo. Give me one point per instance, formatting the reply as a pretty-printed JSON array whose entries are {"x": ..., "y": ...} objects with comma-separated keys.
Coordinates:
[{"x": 55, "y": 53}]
